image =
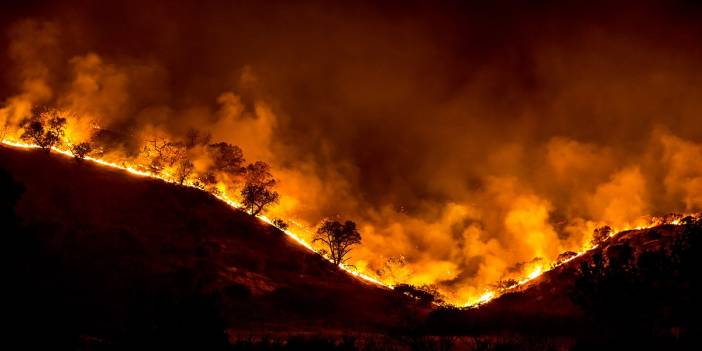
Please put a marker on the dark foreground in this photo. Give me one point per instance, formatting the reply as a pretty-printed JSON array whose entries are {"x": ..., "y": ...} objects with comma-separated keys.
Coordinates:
[{"x": 98, "y": 260}]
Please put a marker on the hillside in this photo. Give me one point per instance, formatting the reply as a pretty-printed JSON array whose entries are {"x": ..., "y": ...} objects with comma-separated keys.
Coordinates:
[
  {"x": 96, "y": 254},
  {"x": 638, "y": 290},
  {"x": 99, "y": 259}
]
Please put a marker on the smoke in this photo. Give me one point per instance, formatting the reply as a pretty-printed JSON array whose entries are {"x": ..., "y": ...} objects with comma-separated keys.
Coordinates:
[
  {"x": 468, "y": 140},
  {"x": 33, "y": 71}
]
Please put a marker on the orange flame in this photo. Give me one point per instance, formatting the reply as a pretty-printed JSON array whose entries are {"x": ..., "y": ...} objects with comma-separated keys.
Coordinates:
[{"x": 540, "y": 269}]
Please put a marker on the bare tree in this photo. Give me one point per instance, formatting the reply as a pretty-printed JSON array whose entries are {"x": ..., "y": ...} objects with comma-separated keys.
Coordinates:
[
  {"x": 184, "y": 169},
  {"x": 280, "y": 224},
  {"x": 44, "y": 129},
  {"x": 80, "y": 150},
  {"x": 338, "y": 239},
  {"x": 257, "y": 192},
  {"x": 163, "y": 153}
]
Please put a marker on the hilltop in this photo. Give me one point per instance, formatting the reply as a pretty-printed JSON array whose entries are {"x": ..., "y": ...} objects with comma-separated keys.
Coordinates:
[
  {"x": 97, "y": 254},
  {"x": 638, "y": 290}
]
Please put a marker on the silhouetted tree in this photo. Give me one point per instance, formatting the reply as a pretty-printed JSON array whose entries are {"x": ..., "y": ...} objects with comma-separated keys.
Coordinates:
[
  {"x": 81, "y": 150},
  {"x": 256, "y": 197},
  {"x": 280, "y": 224},
  {"x": 257, "y": 192},
  {"x": 425, "y": 294},
  {"x": 44, "y": 129},
  {"x": 338, "y": 239},
  {"x": 226, "y": 158},
  {"x": 184, "y": 169},
  {"x": 163, "y": 153},
  {"x": 642, "y": 291},
  {"x": 601, "y": 234}
]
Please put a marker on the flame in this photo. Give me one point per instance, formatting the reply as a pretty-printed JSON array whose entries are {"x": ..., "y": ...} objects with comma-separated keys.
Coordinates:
[
  {"x": 486, "y": 297},
  {"x": 535, "y": 273},
  {"x": 540, "y": 269}
]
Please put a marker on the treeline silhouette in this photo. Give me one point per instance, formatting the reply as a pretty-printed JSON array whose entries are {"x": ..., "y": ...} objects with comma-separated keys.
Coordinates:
[
  {"x": 172, "y": 158},
  {"x": 623, "y": 297},
  {"x": 175, "y": 158},
  {"x": 650, "y": 296}
]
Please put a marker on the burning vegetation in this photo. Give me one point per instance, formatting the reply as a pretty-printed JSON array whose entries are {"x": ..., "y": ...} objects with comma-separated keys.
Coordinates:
[
  {"x": 169, "y": 161},
  {"x": 473, "y": 176}
]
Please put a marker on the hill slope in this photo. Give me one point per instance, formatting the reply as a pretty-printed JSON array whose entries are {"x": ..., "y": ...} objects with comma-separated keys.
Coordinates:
[
  {"x": 638, "y": 290},
  {"x": 105, "y": 255}
]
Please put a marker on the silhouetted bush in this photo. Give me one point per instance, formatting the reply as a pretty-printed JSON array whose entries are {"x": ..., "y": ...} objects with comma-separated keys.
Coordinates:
[
  {"x": 81, "y": 150},
  {"x": 628, "y": 294},
  {"x": 424, "y": 294}
]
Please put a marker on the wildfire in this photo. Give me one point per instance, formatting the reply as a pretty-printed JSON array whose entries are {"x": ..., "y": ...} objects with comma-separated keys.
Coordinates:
[
  {"x": 539, "y": 270},
  {"x": 535, "y": 273},
  {"x": 484, "y": 298},
  {"x": 488, "y": 295}
]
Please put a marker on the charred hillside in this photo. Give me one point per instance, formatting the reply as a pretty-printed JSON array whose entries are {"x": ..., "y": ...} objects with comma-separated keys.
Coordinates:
[
  {"x": 638, "y": 289},
  {"x": 95, "y": 254}
]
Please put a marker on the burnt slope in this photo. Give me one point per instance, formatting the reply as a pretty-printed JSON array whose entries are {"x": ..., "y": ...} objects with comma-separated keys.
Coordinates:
[
  {"x": 95, "y": 253},
  {"x": 638, "y": 290}
]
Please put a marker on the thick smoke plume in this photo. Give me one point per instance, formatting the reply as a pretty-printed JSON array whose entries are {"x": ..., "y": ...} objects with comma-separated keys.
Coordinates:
[{"x": 467, "y": 139}]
